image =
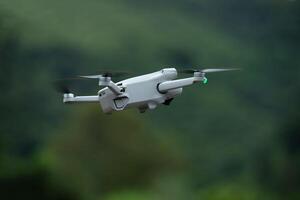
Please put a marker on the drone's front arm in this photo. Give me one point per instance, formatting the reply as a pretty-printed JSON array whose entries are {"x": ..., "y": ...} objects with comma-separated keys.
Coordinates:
[
  {"x": 179, "y": 83},
  {"x": 105, "y": 81},
  {"x": 113, "y": 87}
]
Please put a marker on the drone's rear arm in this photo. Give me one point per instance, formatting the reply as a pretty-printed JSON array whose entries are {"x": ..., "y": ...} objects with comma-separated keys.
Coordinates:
[{"x": 70, "y": 98}]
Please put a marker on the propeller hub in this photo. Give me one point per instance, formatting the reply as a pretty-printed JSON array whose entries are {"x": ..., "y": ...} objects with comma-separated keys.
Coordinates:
[
  {"x": 104, "y": 80},
  {"x": 68, "y": 98},
  {"x": 199, "y": 76}
]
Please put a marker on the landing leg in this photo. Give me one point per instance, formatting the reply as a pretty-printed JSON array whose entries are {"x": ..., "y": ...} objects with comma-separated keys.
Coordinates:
[{"x": 142, "y": 109}]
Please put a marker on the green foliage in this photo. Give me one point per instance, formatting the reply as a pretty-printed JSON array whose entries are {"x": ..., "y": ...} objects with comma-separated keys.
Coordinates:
[
  {"x": 130, "y": 195},
  {"x": 108, "y": 153},
  {"x": 233, "y": 191}
]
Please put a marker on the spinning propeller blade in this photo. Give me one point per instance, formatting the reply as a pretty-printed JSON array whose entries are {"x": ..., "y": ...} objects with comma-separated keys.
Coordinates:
[
  {"x": 106, "y": 73},
  {"x": 63, "y": 89},
  {"x": 191, "y": 71},
  {"x": 92, "y": 76},
  {"x": 218, "y": 70},
  {"x": 204, "y": 71},
  {"x": 63, "y": 85}
]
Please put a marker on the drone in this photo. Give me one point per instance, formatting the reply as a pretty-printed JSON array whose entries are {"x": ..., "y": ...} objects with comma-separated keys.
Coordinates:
[{"x": 142, "y": 92}]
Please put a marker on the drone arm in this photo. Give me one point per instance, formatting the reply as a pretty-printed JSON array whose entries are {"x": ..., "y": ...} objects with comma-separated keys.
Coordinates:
[
  {"x": 106, "y": 82},
  {"x": 70, "y": 98},
  {"x": 114, "y": 88},
  {"x": 170, "y": 85}
]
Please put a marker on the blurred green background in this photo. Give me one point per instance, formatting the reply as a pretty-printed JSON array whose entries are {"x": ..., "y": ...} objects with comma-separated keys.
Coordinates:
[{"x": 236, "y": 138}]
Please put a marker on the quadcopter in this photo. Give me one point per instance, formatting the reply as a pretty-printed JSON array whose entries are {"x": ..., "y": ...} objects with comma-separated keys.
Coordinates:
[{"x": 142, "y": 92}]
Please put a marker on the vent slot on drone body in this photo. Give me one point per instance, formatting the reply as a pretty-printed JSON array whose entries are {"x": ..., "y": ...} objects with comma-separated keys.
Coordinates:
[{"x": 121, "y": 102}]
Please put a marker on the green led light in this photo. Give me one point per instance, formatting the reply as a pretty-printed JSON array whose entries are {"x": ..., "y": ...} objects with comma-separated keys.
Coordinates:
[{"x": 205, "y": 80}]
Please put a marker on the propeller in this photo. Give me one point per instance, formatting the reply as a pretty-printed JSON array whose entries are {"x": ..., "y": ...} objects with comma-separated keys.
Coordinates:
[
  {"x": 63, "y": 85},
  {"x": 62, "y": 89},
  {"x": 191, "y": 71},
  {"x": 105, "y": 76},
  {"x": 203, "y": 71},
  {"x": 106, "y": 73}
]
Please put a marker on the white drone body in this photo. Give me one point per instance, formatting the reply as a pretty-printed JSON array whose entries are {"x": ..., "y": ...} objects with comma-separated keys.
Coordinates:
[{"x": 142, "y": 92}]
